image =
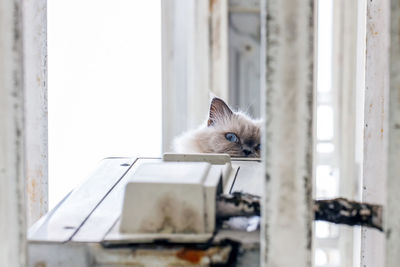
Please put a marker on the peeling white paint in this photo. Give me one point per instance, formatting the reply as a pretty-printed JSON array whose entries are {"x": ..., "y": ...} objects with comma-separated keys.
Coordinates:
[
  {"x": 393, "y": 182},
  {"x": 287, "y": 84},
  {"x": 185, "y": 66},
  {"x": 219, "y": 48},
  {"x": 375, "y": 124},
  {"x": 35, "y": 83},
  {"x": 344, "y": 74},
  {"x": 12, "y": 197}
]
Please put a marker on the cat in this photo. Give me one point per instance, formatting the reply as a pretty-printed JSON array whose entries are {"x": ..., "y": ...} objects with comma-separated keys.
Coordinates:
[{"x": 225, "y": 131}]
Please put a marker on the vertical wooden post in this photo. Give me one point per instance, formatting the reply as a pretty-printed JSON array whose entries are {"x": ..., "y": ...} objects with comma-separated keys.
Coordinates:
[
  {"x": 344, "y": 85},
  {"x": 375, "y": 124},
  {"x": 12, "y": 175},
  {"x": 185, "y": 66},
  {"x": 219, "y": 48},
  {"x": 35, "y": 80},
  {"x": 393, "y": 197},
  {"x": 173, "y": 73},
  {"x": 287, "y": 84},
  {"x": 195, "y": 62},
  {"x": 198, "y": 62}
]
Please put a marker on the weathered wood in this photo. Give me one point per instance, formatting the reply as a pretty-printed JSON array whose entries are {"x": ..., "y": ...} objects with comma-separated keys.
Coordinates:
[
  {"x": 338, "y": 210},
  {"x": 375, "y": 124},
  {"x": 219, "y": 48},
  {"x": 237, "y": 204},
  {"x": 288, "y": 97},
  {"x": 344, "y": 84},
  {"x": 59, "y": 254},
  {"x": 343, "y": 211},
  {"x": 106, "y": 213},
  {"x": 12, "y": 134},
  {"x": 215, "y": 255},
  {"x": 61, "y": 224},
  {"x": 35, "y": 70},
  {"x": 248, "y": 6},
  {"x": 359, "y": 117},
  {"x": 198, "y": 68},
  {"x": 344, "y": 73},
  {"x": 173, "y": 70},
  {"x": 393, "y": 183}
]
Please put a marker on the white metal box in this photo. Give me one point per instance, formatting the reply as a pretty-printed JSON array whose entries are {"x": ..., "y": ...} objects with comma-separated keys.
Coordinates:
[{"x": 171, "y": 197}]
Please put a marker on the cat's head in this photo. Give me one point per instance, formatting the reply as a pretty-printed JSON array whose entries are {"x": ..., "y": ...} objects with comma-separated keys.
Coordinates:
[{"x": 231, "y": 132}]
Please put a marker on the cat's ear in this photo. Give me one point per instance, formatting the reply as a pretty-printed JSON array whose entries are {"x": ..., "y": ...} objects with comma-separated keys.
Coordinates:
[{"x": 218, "y": 110}]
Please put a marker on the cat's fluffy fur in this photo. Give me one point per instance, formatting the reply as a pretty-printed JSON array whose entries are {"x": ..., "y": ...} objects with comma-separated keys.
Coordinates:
[{"x": 212, "y": 137}]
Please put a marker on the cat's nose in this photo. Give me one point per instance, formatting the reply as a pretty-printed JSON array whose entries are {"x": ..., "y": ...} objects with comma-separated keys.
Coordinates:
[{"x": 246, "y": 152}]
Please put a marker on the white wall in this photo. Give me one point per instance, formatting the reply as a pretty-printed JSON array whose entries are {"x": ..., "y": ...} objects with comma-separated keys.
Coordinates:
[{"x": 104, "y": 85}]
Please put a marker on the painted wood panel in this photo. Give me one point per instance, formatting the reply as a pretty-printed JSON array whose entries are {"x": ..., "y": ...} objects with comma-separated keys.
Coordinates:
[
  {"x": 375, "y": 124},
  {"x": 35, "y": 70},
  {"x": 393, "y": 182},
  {"x": 12, "y": 134},
  {"x": 219, "y": 48},
  {"x": 59, "y": 255},
  {"x": 185, "y": 66},
  {"x": 62, "y": 223},
  {"x": 344, "y": 75},
  {"x": 287, "y": 35},
  {"x": 107, "y": 212}
]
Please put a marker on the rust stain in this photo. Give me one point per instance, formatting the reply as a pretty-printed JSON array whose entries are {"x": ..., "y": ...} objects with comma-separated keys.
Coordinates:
[
  {"x": 190, "y": 255},
  {"x": 195, "y": 256},
  {"x": 212, "y": 4},
  {"x": 32, "y": 188}
]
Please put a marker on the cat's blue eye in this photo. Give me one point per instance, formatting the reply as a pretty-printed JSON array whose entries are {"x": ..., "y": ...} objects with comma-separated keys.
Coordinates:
[
  {"x": 257, "y": 148},
  {"x": 231, "y": 137}
]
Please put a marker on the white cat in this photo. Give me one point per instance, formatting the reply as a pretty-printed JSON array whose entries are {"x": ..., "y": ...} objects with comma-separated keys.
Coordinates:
[{"x": 229, "y": 132}]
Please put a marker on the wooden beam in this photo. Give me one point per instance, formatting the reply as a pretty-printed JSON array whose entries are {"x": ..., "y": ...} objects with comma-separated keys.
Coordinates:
[
  {"x": 337, "y": 210},
  {"x": 393, "y": 182},
  {"x": 375, "y": 124},
  {"x": 288, "y": 101},
  {"x": 198, "y": 65},
  {"x": 219, "y": 48},
  {"x": 344, "y": 73},
  {"x": 185, "y": 66},
  {"x": 35, "y": 80},
  {"x": 12, "y": 174}
]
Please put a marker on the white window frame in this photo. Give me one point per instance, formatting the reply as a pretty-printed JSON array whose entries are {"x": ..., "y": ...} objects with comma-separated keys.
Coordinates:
[
  {"x": 194, "y": 62},
  {"x": 23, "y": 124},
  {"x": 12, "y": 141},
  {"x": 23, "y": 53}
]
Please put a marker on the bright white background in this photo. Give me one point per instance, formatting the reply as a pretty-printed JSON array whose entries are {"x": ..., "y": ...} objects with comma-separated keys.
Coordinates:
[{"x": 104, "y": 61}]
